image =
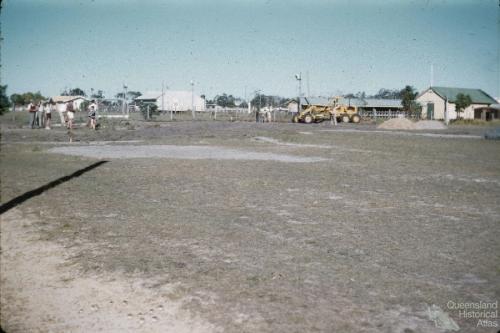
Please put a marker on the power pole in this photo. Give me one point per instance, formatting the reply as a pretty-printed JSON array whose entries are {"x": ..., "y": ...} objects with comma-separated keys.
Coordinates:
[
  {"x": 298, "y": 77},
  {"x": 192, "y": 98},
  {"x": 124, "y": 101},
  {"x": 163, "y": 97}
]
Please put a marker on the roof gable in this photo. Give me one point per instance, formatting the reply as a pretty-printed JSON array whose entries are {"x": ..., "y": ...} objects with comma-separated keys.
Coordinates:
[
  {"x": 65, "y": 99},
  {"x": 149, "y": 95},
  {"x": 477, "y": 95}
]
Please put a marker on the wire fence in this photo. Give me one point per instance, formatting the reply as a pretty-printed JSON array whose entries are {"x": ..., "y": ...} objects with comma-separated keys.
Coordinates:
[{"x": 387, "y": 114}]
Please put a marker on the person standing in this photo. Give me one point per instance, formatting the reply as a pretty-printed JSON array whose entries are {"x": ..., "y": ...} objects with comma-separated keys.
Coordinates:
[
  {"x": 32, "y": 110},
  {"x": 92, "y": 115},
  {"x": 333, "y": 117},
  {"x": 61, "y": 109},
  {"x": 40, "y": 114},
  {"x": 70, "y": 114},
  {"x": 92, "y": 105},
  {"x": 48, "y": 113}
]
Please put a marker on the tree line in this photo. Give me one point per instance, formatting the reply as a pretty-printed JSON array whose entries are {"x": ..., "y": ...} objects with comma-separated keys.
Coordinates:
[
  {"x": 36, "y": 97},
  {"x": 407, "y": 96}
]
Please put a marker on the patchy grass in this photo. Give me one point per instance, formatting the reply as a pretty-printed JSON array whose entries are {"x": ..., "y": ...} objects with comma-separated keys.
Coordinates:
[
  {"x": 475, "y": 122},
  {"x": 359, "y": 243}
]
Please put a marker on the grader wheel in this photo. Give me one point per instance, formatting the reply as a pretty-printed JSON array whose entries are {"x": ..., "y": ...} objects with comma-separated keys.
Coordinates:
[
  {"x": 345, "y": 119},
  {"x": 355, "y": 118},
  {"x": 295, "y": 119},
  {"x": 308, "y": 119}
]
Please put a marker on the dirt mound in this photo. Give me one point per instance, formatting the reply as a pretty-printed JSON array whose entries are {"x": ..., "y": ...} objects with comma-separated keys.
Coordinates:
[
  {"x": 397, "y": 123},
  {"x": 406, "y": 124},
  {"x": 430, "y": 124}
]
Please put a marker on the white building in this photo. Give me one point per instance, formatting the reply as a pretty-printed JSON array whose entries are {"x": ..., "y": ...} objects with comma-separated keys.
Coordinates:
[
  {"x": 77, "y": 100},
  {"x": 436, "y": 100},
  {"x": 173, "y": 100}
]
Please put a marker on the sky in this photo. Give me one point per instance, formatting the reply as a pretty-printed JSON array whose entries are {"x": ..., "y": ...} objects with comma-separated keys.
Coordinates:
[{"x": 240, "y": 46}]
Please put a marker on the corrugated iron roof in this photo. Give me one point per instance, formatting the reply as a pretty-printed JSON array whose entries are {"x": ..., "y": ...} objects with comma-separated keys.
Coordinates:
[
  {"x": 323, "y": 101},
  {"x": 382, "y": 103},
  {"x": 359, "y": 102},
  {"x": 477, "y": 95}
]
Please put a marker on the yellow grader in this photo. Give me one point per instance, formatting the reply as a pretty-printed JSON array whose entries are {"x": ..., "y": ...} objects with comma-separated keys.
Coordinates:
[{"x": 317, "y": 113}]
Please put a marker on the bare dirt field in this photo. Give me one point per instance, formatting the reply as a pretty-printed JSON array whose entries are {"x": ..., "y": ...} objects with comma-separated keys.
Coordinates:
[{"x": 243, "y": 227}]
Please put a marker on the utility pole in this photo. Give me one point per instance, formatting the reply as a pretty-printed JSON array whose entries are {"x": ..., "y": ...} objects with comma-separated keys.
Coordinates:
[
  {"x": 257, "y": 112},
  {"x": 192, "y": 98},
  {"x": 298, "y": 77},
  {"x": 124, "y": 106},
  {"x": 432, "y": 74},
  {"x": 163, "y": 97}
]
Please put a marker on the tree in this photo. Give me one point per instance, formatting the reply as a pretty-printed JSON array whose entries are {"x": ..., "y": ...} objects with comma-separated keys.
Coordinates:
[
  {"x": 77, "y": 92},
  {"x": 461, "y": 103},
  {"x": 4, "y": 100},
  {"x": 73, "y": 92},
  {"x": 387, "y": 94},
  {"x": 361, "y": 95},
  {"x": 133, "y": 94},
  {"x": 99, "y": 94},
  {"x": 16, "y": 100},
  {"x": 27, "y": 97},
  {"x": 408, "y": 95},
  {"x": 225, "y": 100}
]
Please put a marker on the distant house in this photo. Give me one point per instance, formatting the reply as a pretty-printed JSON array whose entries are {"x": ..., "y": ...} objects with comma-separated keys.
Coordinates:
[
  {"x": 436, "y": 100},
  {"x": 77, "y": 100},
  {"x": 173, "y": 100}
]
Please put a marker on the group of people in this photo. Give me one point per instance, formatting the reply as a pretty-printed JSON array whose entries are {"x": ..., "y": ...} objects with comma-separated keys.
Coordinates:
[{"x": 41, "y": 113}]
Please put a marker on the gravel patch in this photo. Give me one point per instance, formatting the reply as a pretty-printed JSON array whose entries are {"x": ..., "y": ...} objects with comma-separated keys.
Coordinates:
[
  {"x": 397, "y": 123},
  {"x": 281, "y": 143},
  {"x": 430, "y": 125},
  {"x": 179, "y": 152}
]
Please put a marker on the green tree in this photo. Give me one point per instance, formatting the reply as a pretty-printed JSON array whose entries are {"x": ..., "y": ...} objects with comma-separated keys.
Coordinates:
[
  {"x": 73, "y": 92},
  {"x": 77, "y": 92},
  {"x": 387, "y": 94},
  {"x": 28, "y": 97},
  {"x": 133, "y": 94},
  {"x": 99, "y": 94},
  {"x": 408, "y": 95},
  {"x": 4, "y": 100},
  {"x": 461, "y": 103},
  {"x": 225, "y": 100}
]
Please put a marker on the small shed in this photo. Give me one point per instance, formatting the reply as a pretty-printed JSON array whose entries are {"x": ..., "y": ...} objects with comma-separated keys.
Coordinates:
[
  {"x": 436, "y": 101},
  {"x": 173, "y": 100},
  {"x": 488, "y": 113}
]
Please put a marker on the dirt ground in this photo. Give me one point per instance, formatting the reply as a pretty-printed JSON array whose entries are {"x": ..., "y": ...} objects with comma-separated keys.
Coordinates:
[{"x": 243, "y": 227}]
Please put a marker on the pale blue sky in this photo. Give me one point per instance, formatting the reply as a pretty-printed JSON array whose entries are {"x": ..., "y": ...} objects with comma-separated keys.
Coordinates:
[{"x": 227, "y": 46}]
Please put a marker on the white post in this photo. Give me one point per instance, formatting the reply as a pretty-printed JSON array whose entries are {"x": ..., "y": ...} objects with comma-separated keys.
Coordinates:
[
  {"x": 446, "y": 116},
  {"x": 162, "y": 96}
]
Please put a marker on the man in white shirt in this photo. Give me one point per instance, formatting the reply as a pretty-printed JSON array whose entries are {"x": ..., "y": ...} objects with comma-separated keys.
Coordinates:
[
  {"x": 61, "y": 109},
  {"x": 40, "y": 115},
  {"x": 48, "y": 114},
  {"x": 32, "y": 110}
]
